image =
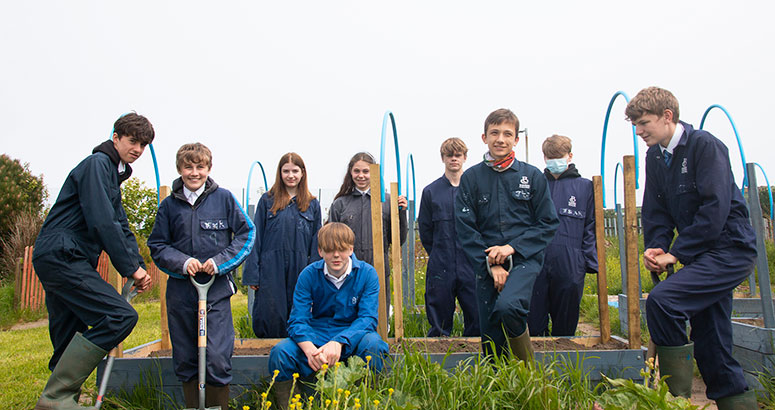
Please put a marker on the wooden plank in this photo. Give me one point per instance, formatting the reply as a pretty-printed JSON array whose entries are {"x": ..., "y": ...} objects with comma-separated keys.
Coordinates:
[
  {"x": 602, "y": 279},
  {"x": 166, "y": 343},
  {"x": 395, "y": 231},
  {"x": 378, "y": 246},
  {"x": 26, "y": 294},
  {"x": 631, "y": 240},
  {"x": 17, "y": 283},
  {"x": 760, "y": 339}
]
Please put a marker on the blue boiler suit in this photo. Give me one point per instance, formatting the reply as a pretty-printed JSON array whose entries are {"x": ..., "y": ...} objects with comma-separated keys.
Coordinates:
[
  {"x": 323, "y": 313},
  {"x": 696, "y": 195},
  {"x": 285, "y": 244},
  {"x": 86, "y": 219},
  {"x": 571, "y": 254},
  {"x": 449, "y": 274},
  {"x": 214, "y": 227},
  {"x": 498, "y": 208}
]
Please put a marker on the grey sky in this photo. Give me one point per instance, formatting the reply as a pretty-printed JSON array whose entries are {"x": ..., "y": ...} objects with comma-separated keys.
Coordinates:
[{"x": 253, "y": 80}]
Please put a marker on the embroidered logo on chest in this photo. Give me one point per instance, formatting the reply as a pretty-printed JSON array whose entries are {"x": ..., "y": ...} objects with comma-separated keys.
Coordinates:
[
  {"x": 572, "y": 201},
  {"x": 524, "y": 182},
  {"x": 684, "y": 168},
  {"x": 354, "y": 300}
]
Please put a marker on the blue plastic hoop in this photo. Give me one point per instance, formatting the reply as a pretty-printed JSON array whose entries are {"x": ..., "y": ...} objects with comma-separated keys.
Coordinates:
[
  {"x": 769, "y": 189},
  {"x": 156, "y": 168},
  {"x": 250, "y": 175},
  {"x": 616, "y": 177},
  {"x": 737, "y": 136},
  {"x": 605, "y": 134},
  {"x": 382, "y": 154},
  {"x": 410, "y": 166}
]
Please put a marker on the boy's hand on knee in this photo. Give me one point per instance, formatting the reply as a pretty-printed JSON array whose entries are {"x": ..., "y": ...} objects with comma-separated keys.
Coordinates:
[
  {"x": 497, "y": 255},
  {"x": 331, "y": 352},
  {"x": 650, "y": 259},
  {"x": 313, "y": 355},
  {"x": 499, "y": 276}
]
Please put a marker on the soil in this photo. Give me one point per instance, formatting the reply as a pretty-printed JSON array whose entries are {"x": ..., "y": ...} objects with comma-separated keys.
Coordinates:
[
  {"x": 448, "y": 345},
  {"x": 754, "y": 321},
  {"x": 30, "y": 325}
]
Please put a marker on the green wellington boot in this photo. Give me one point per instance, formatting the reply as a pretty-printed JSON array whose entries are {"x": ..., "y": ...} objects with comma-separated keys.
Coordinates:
[
  {"x": 742, "y": 401},
  {"x": 217, "y": 396},
  {"x": 678, "y": 363},
  {"x": 191, "y": 394},
  {"x": 521, "y": 347},
  {"x": 76, "y": 364},
  {"x": 282, "y": 393}
]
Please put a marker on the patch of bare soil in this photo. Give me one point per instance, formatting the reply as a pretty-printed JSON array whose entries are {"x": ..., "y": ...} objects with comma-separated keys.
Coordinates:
[
  {"x": 698, "y": 395},
  {"x": 30, "y": 325},
  {"x": 753, "y": 321}
]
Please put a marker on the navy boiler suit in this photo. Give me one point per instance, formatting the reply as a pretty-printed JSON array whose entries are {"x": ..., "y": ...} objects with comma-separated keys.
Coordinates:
[
  {"x": 573, "y": 252},
  {"x": 449, "y": 273},
  {"x": 696, "y": 194},
  {"x": 497, "y": 208},
  {"x": 214, "y": 227},
  {"x": 286, "y": 243}
]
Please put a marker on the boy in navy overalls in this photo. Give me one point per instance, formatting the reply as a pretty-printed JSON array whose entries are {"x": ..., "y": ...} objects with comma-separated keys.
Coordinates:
[
  {"x": 504, "y": 219},
  {"x": 200, "y": 228},
  {"x": 86, "y": 316},
  {"x": 449, "y": 274},
  {"x": 558, "y": 289},
  {"x": 690, "y": 188}
]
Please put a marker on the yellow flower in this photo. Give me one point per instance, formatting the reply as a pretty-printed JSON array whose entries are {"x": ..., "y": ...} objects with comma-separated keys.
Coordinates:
[
  {"x": 356, "y": 400},
  {"x": 245, "y": 407},
  {"x": 376, "y": 402},
  {"x": 295, "y": 376},
  {"x": 335, "y": 402},
  {"x": 268, "y": 404},
  {"x": 357, "y": 405},
  {"x": 324, "y": 366},
  {"x": 390, "y": 391},
  {"x": 328, "y": 402},
  {"x": 263, "y": 396},
  {"x": 338, "y": 364},
  {"x": 346, "y": 393},
  {"x": 368, "y": 359},
  {"x": 276, "y": 372},
  {"x": 297, "y": 397},
  {"x": 339, "y": 390},
  {"x": 311, "y": 398}
]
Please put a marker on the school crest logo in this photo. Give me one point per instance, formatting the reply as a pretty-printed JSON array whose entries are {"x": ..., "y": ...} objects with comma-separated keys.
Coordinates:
[
  {"x": 684, "y": 166},
  {"x": 524, "y": 182},
  {"x": 572, "y": 201},
  {"x": 354, "y": 300}
]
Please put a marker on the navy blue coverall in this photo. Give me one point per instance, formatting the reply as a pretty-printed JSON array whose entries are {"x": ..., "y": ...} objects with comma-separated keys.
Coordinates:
[
  {"x": 86, "y": 219},
  {"x": 214, "y": 227},
  {"x": 514, "y": 208},
  {"x": 286, "y": 242},
  {"x": 571, "y": 254},
  {"x": 449, "y": 274},
  {"x": 697, "y": 195}
]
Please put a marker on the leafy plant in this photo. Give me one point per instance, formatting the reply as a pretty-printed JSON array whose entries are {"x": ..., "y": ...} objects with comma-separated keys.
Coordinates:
[{"x": 140, "y": 206}]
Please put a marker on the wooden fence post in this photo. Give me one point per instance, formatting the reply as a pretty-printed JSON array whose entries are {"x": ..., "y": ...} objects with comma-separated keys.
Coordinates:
[
  {"x": 166, "y": 343},
  {"x": 631, "y": 239},
  {"x": 379, "y": 254},
  {"x": 398, "y": 301},
  {"x": 17, "y": 286},
  {"x": 602, "y": 278}
]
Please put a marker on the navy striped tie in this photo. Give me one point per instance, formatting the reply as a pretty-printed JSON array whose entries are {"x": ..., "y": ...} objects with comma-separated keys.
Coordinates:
[{"x": 667, "y": 156}]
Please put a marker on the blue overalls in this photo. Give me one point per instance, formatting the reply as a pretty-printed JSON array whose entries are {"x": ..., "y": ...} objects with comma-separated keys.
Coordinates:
[
  {"x": 512, "y": 207},
  {"x": 696, "y": 194},
  {"x": 286, "y": 242},
  {"x": 449, "y": 274},
  {"x": 560, "y": 285}
]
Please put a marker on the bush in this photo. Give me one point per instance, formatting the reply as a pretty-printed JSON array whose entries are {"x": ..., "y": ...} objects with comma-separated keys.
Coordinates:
[
  {"x": 20, "y": 191},
  {"x": 24, "y": 228}
]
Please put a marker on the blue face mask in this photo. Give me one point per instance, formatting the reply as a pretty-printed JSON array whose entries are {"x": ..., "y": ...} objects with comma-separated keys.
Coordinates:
[{"x": 557, "y": 166}]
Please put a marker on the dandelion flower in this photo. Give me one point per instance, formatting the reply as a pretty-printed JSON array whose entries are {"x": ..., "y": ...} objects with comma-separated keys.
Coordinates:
[
  {"x": 390, "y": 391},
  {"x": 376, "y": 402},
  {"x": 346, "y": 393},
  {"x": 276, "y": 372},
  {"x": 295, "y": 376},
  {"x": 245, "y": 407},
  {"x": 339, "y": 390}
]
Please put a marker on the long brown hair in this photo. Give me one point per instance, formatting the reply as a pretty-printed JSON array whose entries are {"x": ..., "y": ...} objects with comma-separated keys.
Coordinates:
[
  {"x": 278, "y": 192},
  {"x": 348, "y": 185}
]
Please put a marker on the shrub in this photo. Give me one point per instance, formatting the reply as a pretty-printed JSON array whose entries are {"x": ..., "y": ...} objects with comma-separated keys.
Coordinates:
[{"x": 24, "y": 228}]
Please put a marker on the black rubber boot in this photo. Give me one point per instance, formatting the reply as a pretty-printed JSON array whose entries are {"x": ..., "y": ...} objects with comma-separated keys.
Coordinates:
[
  {"x": 521, "y": 347},
  {"x": 217, "y": 396},
  {"x": 678, "y": 363},
  {"x": 282, "y": 393},
  {"x": 76, "y": 364},
  {"x": 191, "y": 394}
]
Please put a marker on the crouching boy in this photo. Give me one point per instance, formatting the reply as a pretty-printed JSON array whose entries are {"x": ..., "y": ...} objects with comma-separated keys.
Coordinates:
[
  {"x": 200, "y": 228},
  {"x": 504, "y": 219},
  {"x": 334, "y": 314}
]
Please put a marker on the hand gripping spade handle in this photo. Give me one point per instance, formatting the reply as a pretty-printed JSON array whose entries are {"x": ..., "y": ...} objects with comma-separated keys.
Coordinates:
[
  {"x": 508, "y": 259},
  {"x": 652, "y": 352},
  {"x": 201, "y": 290},
  {"x": 128, "y": 292}
]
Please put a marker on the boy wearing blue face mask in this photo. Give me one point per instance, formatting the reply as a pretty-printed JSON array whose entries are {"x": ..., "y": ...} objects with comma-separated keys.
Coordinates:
[{"x": 572, "y": 253}]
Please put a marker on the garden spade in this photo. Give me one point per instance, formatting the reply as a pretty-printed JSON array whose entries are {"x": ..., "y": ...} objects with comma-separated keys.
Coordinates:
[
  {"x": 128, "y": 292},
  {"x": 201, "y": 290}
]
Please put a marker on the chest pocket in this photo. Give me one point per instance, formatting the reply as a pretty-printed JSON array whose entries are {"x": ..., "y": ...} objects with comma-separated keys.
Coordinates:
[
  {"x": 685, "y": 187},
  {"x": 305, "y": 221},
  {"x": 216, "y": 230},
  {"x": 521, "y": 194},
  {"x": 483, "y": 199},
  {"x": 572, "y": 213}
]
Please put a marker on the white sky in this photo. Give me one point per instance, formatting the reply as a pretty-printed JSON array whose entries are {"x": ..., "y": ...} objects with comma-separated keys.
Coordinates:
[{"x": 255, "y": 79}]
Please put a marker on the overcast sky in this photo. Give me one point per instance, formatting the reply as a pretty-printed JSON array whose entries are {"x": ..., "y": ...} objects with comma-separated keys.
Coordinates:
[{"x": 253, "y": 80}]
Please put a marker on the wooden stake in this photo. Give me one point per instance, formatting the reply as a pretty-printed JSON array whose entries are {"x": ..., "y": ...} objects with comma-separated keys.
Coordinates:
[
  {"x": 166, "y": 343},
  {"x": 602, "y": 278},
  {"x": 379, "y": 255},
  {"x": 631, "y": 241},
  {"x": 395, "y": 229}
]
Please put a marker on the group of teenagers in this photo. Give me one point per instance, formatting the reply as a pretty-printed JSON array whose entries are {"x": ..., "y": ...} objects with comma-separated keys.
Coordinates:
[{"x": 511, "y": 243}]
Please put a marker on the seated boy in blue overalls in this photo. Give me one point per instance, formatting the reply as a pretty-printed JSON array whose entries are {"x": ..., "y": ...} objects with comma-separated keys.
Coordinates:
[
  {"x": 504, "y": 219},
  {"x": 690, "y": 188},
  {"x": 334, "y": 314},
  {"x": 200, "y": 228}
]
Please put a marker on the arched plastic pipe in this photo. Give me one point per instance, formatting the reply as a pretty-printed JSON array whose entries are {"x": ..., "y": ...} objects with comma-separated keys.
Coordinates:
[
  {"x": 156, "y": 168},
  {"x": 769, "y": 189},
  {"x": 737, "y": 136},
  {"x": 250, "y": 175},
  {"x": 382, "y": 154},
  {"x": 605, "y": 133},
  {"x": 616, "y": 177},
  {"x": 410, "y": 167}
]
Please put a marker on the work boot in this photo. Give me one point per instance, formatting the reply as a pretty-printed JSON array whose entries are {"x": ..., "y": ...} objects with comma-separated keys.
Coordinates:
[
  {"x": 191, "y": 394},
  {"x": 743, "y": 401},
  {"x": 76, "y": 364},
  {"x": 521, "y": 347},
  {"x": 678, "y": 363},
  {"x": 217, "y": 396},
  {"x": 282, "y": 393}
]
